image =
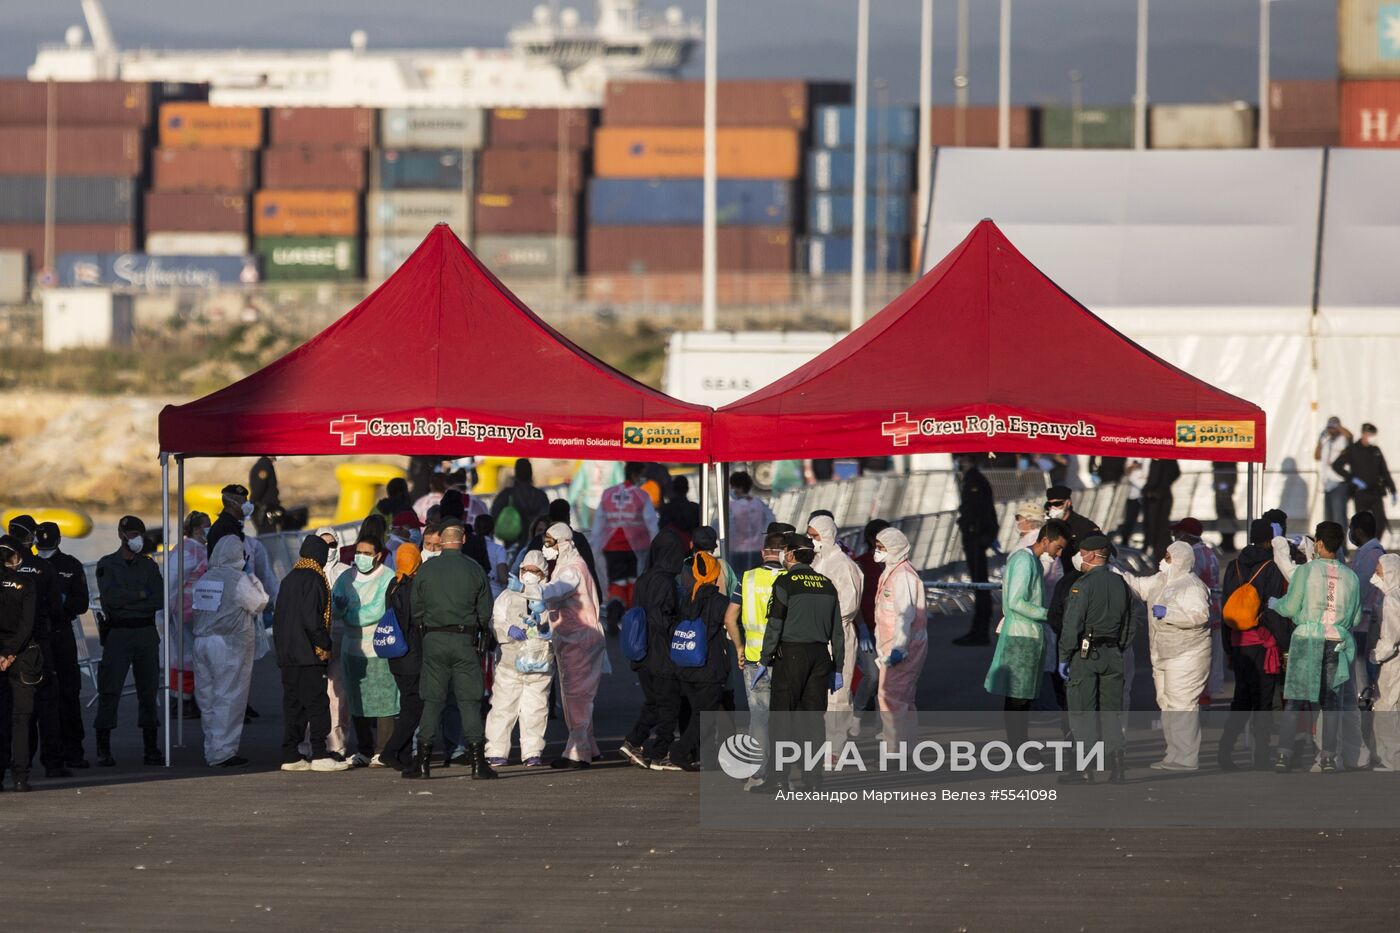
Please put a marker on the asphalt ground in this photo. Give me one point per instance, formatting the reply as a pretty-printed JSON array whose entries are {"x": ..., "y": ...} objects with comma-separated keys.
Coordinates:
[{"x": 190, "y": 848}]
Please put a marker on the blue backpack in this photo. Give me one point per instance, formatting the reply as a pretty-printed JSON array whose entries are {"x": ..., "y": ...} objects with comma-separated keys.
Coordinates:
[
  {"x": 689, "y": 646},
  {"x": 388, "y": 637},
  {"x": 634, "y": 634}
]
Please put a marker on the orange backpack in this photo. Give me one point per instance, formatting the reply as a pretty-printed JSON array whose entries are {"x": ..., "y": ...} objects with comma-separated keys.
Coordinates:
[{"x": 1241, "y": 610}]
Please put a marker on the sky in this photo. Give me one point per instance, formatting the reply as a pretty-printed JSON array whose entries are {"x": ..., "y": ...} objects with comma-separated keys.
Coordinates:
[{"x": 1199, "y": 50}]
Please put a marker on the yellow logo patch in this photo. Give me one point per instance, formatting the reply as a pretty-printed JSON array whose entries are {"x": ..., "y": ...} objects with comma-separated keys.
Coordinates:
[
  {"x": 653, "y": 435},
  {"x": 1221, "y": 435}
]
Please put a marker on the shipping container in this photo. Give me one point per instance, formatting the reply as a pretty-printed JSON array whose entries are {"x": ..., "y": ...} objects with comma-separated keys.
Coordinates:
[
  {"x": 204, "y": 126},
  {"x": 76, "y": 200},
  {"x": 81, "y": 317},
  {"x": 432, "y": 128},
  {"x": 834, "y": 127},
  {"x": 14, "y": 276},
  {"x": 197, "y": 244},
  {"x": 1202, "y": 126},
  {"x": 835, "y": 213},
  {"x": 306, "y": 213},
  {"x": 78, "y": 151},
  {"x": 1098, "y": 128},
  {"x": 196, "y": 212},
  {"x": 979, "y": 127},
  {"x": 1305, "y": 139},
  {"x": 423, "y": 169},
  {"x": 417, "y": 212},
  {"x": 684, "y": 288},
  {"x": 1368, "y": 38},
  {"x": 525, "y": 212},
  {"x": 541, "y": 127},
  {"x": 1303, "y": 107},
  {"x": 384, "y": 255},
  {"x": 658, "y": 152},
  {"x": 531, "y": 169},
  {"x": 230, "y": 171},
  {"x": 678, "y": 249},
  {"x": 525, "y": 255},
  {"x": 1370, "y": 114},
  {"x": 737, "y": 103},
  {"x": 351, "y": 127},
  {"x": 309, "y": 259},
  {"x": 77, "y": 103},
  {"x": 313, "y": 167},
  {"x": 835, "y": 170},
  {"x": 143, "y": 272},
  {"x": 834, "y": 255},
  {"x": 29, "y": 239},
  {"x": 637, "y": 202}
]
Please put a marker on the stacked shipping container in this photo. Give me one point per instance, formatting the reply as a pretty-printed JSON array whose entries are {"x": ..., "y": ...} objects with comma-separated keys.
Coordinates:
[
  {"x": 202, "y": 180},
  {"x": 1368, "y": 57},
  {"x": 1303, "y": 114}
]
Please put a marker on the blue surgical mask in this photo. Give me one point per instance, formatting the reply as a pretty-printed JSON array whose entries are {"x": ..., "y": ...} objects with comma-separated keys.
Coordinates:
[{"x": 364, "y": 563}]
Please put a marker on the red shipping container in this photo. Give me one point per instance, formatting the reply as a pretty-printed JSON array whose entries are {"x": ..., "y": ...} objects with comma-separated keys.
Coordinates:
[
  {"x": 351, "y": 127},
  {"x": 196, "y": 212},
  {"x": 99, "y": 151},
  {"x": 1370, "y": 114},
  {"x": 981, "y": 127},
  {"x": 738, "y": 103},
  {"x": 525, "y": 212},
  {"x": 225, "y": 170},
  {"x": 68, "y": 238},
  {"x": 294, "y": 168},
  {"x": 530, "y": 169},
  {"x": 540, "y": 127},
  {"x": 78, "y": 103},
  {"x": 1298, "y": 106},
  {"x": 679, "y": 249}
]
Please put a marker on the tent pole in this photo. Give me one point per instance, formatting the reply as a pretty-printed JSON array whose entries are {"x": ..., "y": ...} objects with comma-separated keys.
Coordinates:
[
  {"x": 722, "y": 506},
  {"x": 165, "y": 575},
  {"x": 1249, "y": 493},
  {"x": 180, "y": 594},
  {"x": 704, "y": 493}
]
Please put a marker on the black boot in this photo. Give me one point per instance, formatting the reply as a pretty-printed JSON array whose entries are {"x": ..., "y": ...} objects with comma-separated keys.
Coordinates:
[
  {"x": 22, "y": 782},
  {"x": 153, "y": 754},
  {"x": 481, "y": 769},
  {"x": 104, "y": 749},
  {"x": 1117, "y": 769},
  {"x": 423, "y": 765}
]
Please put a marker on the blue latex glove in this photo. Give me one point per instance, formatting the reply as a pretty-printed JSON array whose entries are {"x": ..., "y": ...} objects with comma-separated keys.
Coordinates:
[
  {"x": 863, "y": 639},
  {"x": 515, "y": 585},
  {"x": 516, "y": 633},
  {"x": 536, "y": 606},
  {"x": 835, "y": 682},
  {"x": 1392, "y": 498},
  {"x": 896, "y": 656},
  {"x": 1273, "y": 602},
  {"x": 1063, "y": 670},
  {"x": 759, "y": 672},
  {"x": 1358, "y": 483},
  {"x": 1159, "y": 612}
]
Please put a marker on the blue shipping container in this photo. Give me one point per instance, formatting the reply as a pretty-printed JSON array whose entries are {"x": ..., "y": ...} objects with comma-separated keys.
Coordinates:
[
  {"x": 834, "y": 127},
  {"x": 423, "y": 169},
  {"x": 638, "y": 202},
  {"x": 831, "y": 255},
  {"x": 835, "y": 213},
  {"x": 835, "y": 170},
  {"x": 153, "y": 273}
]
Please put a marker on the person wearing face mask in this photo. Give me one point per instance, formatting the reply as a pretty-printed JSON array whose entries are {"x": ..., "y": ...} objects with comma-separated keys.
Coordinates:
[
  {"x": 1206, "y": 567},
  {"x": 21, "y": 662},
  {"x": 228, "y": 603},
  {"x": 73, "y": 593},
  {"x": 1386, "y": 655},
  {"x": 901, "y": 630},
  {"x": 358, "y": 601},
  {"x": 749, "y": 608},
  {"x": 748, "y": 517},
  {"x": 407, "y": 669},
  {"x": 131, "y": 592},
  {"x": 648, "y": 744},
  {"x": 977, "y": 523},
  {"x": 1180, "y": 638},
  {"x": 580, "y": 649},
  {"x": 832, "y": 563},
  {"x": 870, "y": 570},
  {"x": 46, "y": 720},
  {"x": 196, "y": 558},
  {"x": 1364, "y": 561},
  {"x": 236, "y": 511},
  {"x": 301, "y": 632},
  {"x": 520, "y": 691}
]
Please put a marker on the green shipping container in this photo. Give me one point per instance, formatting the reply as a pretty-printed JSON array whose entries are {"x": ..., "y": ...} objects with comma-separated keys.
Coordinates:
[
  {"x": 309, "y": 259},
  {"x": 1098, "y": 128}
]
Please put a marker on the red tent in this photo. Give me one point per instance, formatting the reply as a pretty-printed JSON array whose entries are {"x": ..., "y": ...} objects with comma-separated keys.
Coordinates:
[
  {"x": 440, "y": 359},
  {"x": 985, "y": 353}
]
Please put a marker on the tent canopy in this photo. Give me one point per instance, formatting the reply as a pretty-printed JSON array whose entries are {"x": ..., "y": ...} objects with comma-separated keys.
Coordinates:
[
  {"x": 440, "y": 360},
  {"x": 985, "y": 353}
]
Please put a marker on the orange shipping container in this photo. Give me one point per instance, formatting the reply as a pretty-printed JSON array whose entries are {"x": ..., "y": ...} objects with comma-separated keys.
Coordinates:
[
  {"x": 226, "y": 170},
  {"x": 658, "y": 152},
  {"x": 203, "y": 126},
  {"x": 306, "y": 213},
  {"x": 1370, "y": 114}
]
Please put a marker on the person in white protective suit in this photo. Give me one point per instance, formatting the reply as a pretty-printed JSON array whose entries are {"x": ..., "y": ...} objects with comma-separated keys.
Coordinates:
[
  {"x": 1178, "y": 632},
  {"x": 228, "y": 603},
  {"x": 580, "y": 646},
  {"x": 196, "y": 557},
  {"x": 832, "y": 563},
  {"x": 1386, "y": 711},
  {"x": 901, "y": 629},
  {"x": 520, "y": 690}
]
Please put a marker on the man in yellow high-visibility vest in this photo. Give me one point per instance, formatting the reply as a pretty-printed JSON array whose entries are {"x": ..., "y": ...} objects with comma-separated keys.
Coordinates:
[{"x": 749, "y": 607}]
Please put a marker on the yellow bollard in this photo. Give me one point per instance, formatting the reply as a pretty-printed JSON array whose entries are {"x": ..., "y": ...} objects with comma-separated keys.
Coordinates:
[
  {"x": 359, "y": 488},
  {"x": 72, "y": 523}
]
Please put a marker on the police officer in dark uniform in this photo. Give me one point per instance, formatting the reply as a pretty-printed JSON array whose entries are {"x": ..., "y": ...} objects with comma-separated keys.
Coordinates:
[
  {"x": 804, "y": 648},
  {"x": 977, "y": 522},
  {"x": 21, "y": 661},
  {"x": 48, "y": 615},
  {"x": 263, "y": 493},
  {"x": 1098, "y": 626},
  {"x": 63, "y": 640}
]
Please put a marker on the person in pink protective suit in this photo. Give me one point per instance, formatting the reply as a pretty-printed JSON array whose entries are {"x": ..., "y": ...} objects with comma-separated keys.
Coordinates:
[{"x": 901, "y": 628}]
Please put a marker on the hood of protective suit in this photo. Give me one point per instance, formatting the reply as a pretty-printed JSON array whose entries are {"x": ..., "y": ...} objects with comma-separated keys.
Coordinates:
[
  {"x": 668, "y": 552},
  {"x": 826, "y": 531},
  {"x": 228, "y": 553},
  {"x": 535, "y": 559},
  {"x": 1183, "y": 559},
  {"x": 1390, "y": 568},
  {"x": 563, "y": 537},
  {"x": 896, "y": 545}
]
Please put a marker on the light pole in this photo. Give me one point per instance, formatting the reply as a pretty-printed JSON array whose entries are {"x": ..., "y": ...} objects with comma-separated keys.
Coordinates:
[
  {"x": 858, "y": 205},
  {"x": 1264, "y": 51},
  {"x": 1004, "y": 82},
  {"x": 709, "y": 258},
  {"x": 1140, "y": 97},
  {"x": 960, "y": 81},
  {"x": 925, "y": 128},
  {"x": 1076, "y": 109}
]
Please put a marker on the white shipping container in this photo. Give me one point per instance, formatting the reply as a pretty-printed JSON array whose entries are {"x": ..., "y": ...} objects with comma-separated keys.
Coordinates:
[
  {"x": 14, "y": 276},
  {"x": 1202, "y": 126},
  {"x": 86, "y": 317},
  {"x": 527, "y": 254},
  {"x": 384, "y": 255},
  {"x": 432, "y": 128},
  {"x": 1368, "y": 38},
  {"x": 402, "y": 213},
  {"x": 197, "y": 244},
  {"x": 718, "y": 368}
]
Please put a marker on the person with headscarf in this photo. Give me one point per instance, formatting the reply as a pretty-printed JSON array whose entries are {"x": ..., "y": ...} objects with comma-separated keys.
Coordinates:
[
  {"x": 520, "y": 691},
  {"x": 831, "y": 562},
  {"x": 701, "y": 609},
  {"x": 196, "y": 557},
  {"x": 337, "y": 738},
  {"x": 648, "y": 744},
  {"x": 228, "y": 603},
  {"x": 580, "y": 646},
  {"x": 397, "y": 751},
  {"x": 1178, "y": 633},
  {"x": 301, "y": 633},
  {"x": 1386, "y": 654},
  {"x": 901, "y": 629},
  {"x": 358, "y": 601}
]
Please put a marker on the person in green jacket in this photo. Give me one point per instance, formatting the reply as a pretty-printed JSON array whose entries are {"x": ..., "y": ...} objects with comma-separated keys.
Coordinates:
[{"x": 1018, "y": 663}]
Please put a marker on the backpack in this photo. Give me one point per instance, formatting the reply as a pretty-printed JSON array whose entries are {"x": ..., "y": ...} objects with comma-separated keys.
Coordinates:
[
  {"x": 1241, "y": 610},
  {"x": 634, "y": 634},
  {"x": 388, "y": 637},
  {"x": 509, "y": 523},
  {"x": 689, "y": 646}
]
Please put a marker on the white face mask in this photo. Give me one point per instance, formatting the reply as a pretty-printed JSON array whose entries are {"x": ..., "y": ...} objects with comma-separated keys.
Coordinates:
[
  {"x": 247, "y": 510},
  {"x": 1056, "y": 514},
  {"x": 1376, "y": 579},
  {"x": 1077, "y": 562},
  {"x": 881, "y": 556},
  {"x": 136, "y": 544},
  {"x": 429, "y": 555},
  {"x": 532, "y": 577},
  {"x": 550, "y": 553},
  {"x": 46, "y": 553}
]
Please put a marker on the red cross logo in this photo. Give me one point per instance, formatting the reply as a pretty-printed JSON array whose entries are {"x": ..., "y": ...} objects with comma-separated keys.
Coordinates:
[
  {"x": 349, "y": 427},
  {"x": 900, "y": 428}
]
